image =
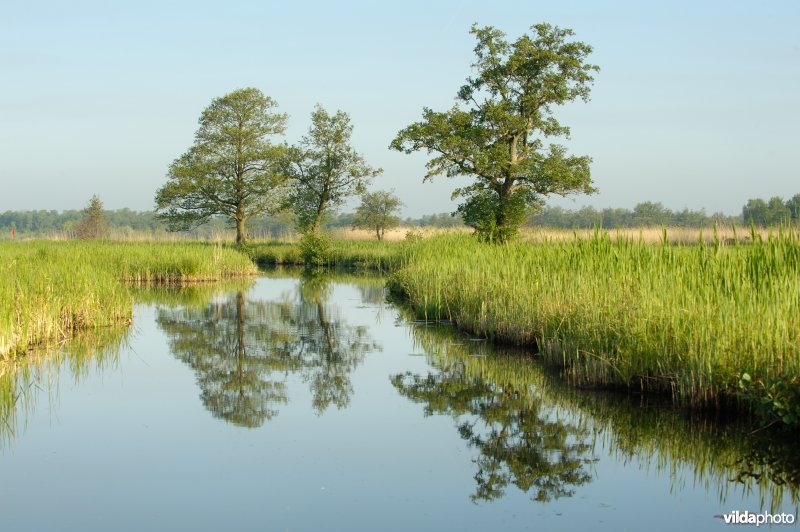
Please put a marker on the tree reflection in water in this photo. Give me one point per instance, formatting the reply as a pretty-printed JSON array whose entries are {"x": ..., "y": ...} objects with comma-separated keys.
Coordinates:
[
  {"x": 533, "y": 431},
  {"x": 243, "y": 351},
  {"x": 519, "y": 442}
]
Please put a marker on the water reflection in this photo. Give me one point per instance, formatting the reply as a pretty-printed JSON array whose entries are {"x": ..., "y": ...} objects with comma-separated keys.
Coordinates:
[
  {"x": 528, "y": 431},
  {"x": 243, "y": 350},
  {"x": 520, "y": 442},
  {"x": 41, "y": 369},
  {"x": 534, "y": 432}
]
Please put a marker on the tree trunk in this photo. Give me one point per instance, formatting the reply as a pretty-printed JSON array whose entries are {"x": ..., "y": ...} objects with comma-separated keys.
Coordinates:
[
  {"x": 317, "y": 221},
  {"x": 502, "y": 228},
  {"x": 379, "y": 233},
  {"x": 241, "y": 236},
  {"x": 328, "y": 353},
  {"x": 323, "y": 202}
]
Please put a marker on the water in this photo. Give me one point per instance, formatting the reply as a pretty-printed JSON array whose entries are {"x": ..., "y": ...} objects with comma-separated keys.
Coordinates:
[{"x": 311, "y": 404}]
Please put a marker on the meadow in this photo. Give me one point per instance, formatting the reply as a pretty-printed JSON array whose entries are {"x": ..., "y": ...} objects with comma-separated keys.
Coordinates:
[{"x": 49, "y": 290}]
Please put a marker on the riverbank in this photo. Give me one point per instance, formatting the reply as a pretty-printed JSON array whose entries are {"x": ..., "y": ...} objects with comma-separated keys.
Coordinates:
[
  {"x": 371, "y": 255},
  {"x": 49, "y": 290},
  {"x": 708, "y": 325}
]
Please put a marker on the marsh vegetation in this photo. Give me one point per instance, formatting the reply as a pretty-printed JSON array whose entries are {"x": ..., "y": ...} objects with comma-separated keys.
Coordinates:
[
  {"x": 702, "y": 323},
  {"x": 49, "y": 290}
]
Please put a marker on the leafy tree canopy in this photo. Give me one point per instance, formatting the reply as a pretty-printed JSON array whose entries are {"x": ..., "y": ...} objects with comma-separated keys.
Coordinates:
[
  {"x": 326, "y": 169},
  {"x": 93, "y": 224},
  {"x": 497, "y": 131},
  {"x": 232, "y": 169},
  {"x": 378, "y": 212}
]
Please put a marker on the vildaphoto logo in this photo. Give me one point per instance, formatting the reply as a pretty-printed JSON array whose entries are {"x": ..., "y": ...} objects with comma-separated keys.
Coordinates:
[{"x": 749, "y": 518}]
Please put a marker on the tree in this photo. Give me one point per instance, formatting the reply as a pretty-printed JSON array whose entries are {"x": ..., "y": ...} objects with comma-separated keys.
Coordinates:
[
  {"x": 326, "y": 169},
  {"x": 755, "y": 212},
  {"x": 779, "y": 212},
  {"x": 793, "y": 204},
  {"x": 232, "y": 170},
  {"x": 93, "y": 224},
  {"x": 378, "y": 211},
  {"x": 496, "y": 132}
]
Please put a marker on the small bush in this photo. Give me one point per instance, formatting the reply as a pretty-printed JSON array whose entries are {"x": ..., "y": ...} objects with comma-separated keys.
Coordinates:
[
  {"x": 773, "y": 399},
  {"x": 315, "y": 248}
]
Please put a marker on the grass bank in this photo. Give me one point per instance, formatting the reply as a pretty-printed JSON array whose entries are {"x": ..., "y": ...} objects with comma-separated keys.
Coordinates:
[
  {"x": 48, "y": 290},
  {"x": 501, "y": 387},
  {"x": 373, "y": 255},
  {"x": 703, "y": 323}
]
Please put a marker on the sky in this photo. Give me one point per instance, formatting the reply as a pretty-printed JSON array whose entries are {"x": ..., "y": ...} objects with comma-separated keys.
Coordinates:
[{"x": 696, "y": 104}]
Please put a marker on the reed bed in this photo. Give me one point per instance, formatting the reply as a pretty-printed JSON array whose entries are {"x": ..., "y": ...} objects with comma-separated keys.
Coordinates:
[
  {"x": 372, "y": 255},
  {"x": 397, "y": 234},
  {"x": 703, "y": 322},
  {"x": 49, "y": 290}
]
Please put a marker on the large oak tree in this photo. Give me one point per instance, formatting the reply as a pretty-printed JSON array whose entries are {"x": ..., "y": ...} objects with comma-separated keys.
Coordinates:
[
  {"x": 232, "y": 169},
  {"x": 497, "y": 132}
]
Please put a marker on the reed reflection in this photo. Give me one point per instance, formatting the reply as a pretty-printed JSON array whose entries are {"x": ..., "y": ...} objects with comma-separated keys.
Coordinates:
[{"x": 24, "y": 379}]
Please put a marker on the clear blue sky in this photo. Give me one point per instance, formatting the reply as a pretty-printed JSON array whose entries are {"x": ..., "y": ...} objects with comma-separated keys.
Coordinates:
[{"x": 697, "y": 104}]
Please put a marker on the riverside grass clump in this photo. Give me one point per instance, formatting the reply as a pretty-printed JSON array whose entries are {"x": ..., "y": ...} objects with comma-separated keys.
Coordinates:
[
  {"x": 705, "y": 323},
  {"x": 49, "y": 290},
  {"x": 373, "y": 255}
]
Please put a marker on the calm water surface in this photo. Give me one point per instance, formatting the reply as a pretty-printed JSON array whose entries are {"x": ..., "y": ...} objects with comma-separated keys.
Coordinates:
[{"x": 309, "y": 403}]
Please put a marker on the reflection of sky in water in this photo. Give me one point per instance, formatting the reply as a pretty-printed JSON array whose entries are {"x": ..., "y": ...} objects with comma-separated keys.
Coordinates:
[{"x": 133, "y": 447}]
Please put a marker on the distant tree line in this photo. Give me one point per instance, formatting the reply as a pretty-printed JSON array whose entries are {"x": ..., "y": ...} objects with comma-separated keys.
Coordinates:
[
  {"x": 760, "y": 212},
  {"x": 646, "y": 214},
  {"x": 775, "y": 211},
  {"x": 756, "y": 211},
  {"x": 42, "y": 222},
  {"x": 443, "y": 219}
]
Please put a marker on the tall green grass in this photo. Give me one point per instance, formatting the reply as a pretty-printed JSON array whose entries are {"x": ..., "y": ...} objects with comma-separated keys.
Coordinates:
[
  {"x": 701, "y": 322},
  {"x": 48, "y": 290},
  {"x": 374, "y": 255}
]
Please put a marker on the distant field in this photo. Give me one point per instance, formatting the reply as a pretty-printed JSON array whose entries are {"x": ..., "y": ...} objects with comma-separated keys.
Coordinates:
[{"x": 653, "y": 234}]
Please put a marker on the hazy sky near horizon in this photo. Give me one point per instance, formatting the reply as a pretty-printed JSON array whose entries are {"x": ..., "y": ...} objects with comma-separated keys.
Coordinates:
[{"x": 696, "y": 105}]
